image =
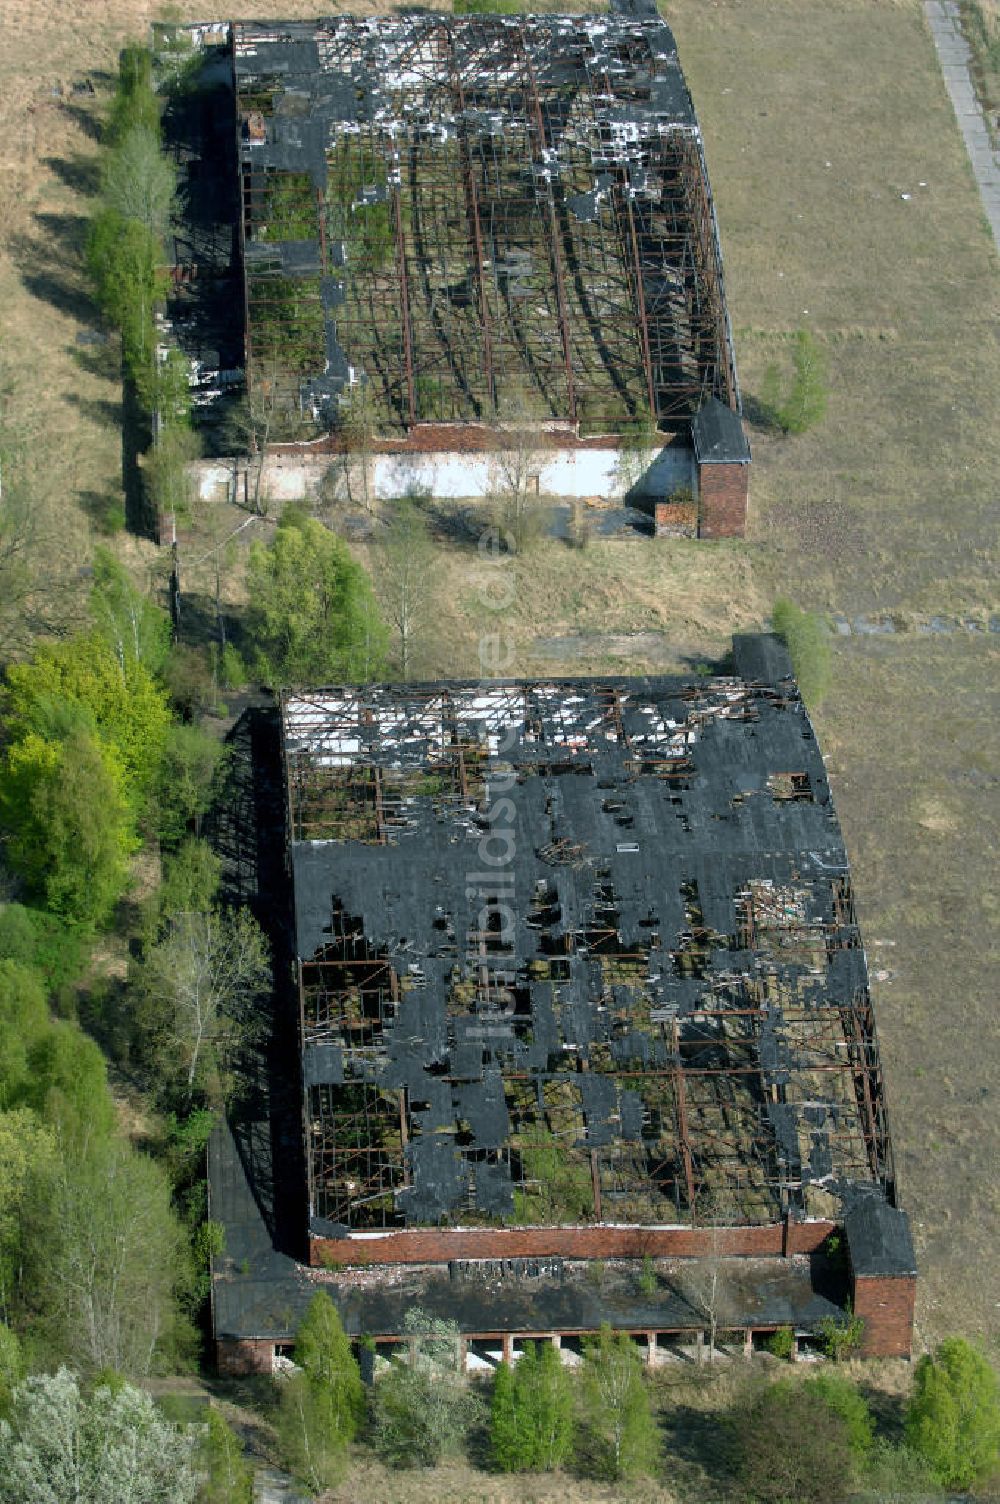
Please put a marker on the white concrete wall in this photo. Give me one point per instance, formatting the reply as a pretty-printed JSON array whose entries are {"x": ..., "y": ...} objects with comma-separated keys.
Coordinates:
[
  {"x": 561, "y": 472},
  {"x": 447, "y": 474}
]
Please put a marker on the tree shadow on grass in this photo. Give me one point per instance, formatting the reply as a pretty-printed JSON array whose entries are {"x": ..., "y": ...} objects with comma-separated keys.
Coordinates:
[
  {"x": 98, "y": 410},
  {"x": 79, "y": 172},
  {"x": 106, "y": 510},
  {"x": 760, "y": 414},
  {"x": 102, "y": 358},
  {"x": 702, "y": 1449},
  {"x": 61, "y": 293}
]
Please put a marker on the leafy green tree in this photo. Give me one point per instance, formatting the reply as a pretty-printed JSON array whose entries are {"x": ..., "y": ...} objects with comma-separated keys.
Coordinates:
[
  {"x": 105, "y": 1256},
  {"x": 190, "y": 880},
  {"x": 27, "y": 1158},
  {"x": 807, "y": 638},
  {"x": 127, "y": 707},
  {"x": 166, "y": 468},
  {"x": 420, "y": 1415},
  {"x": 312, "y": 1453},
  {"x": 531, "y": 1418},
  {"x": 198, "y": 992},
  {"x": 953, "y": 1418},
  {"x": 43, "y": 942},
  {"x": 136, "y": 630},
  {"x": 123, "y": 260},
  {"x": 506, "y": 1423},
  {"x": 313, "y": 615},
  {"x": 803, "y": 403},
  {"x": 227, "y": 1477},
  {"x": 69, "y": 826},
  {"x": 134, "y": 102},
  {"x": 67, "y": 1084},
  {"x": 140, "y": 181},
  {"x": 60, "y": 1447},
  {"x": 323, "y": 1352},
  {"x": 422, "y": 1408},
  {"x": 11, "y": 1369},
  {"x": 24, "y": 1018},
  {"x": 794, "y": 1447},
  {"x": 189, "y": 771},
  {"x": 616, "y": 1403}
]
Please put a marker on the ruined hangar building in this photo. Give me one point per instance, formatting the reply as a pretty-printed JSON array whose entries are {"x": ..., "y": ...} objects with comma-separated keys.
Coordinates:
[
  {"x": 579, "y": 980},
  {"x": 458, "y": 231}
]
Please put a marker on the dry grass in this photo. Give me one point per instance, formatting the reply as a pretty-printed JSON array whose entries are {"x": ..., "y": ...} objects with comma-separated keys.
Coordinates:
[{"x": 891, "y": 503}]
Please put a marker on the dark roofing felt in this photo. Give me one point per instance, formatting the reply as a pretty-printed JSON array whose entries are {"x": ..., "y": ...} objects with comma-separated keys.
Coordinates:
[
  {"x": 879, "y": 1238},
  {"x": 625, "y": 797},
  {"x": 260, "y": 1293},
  {"x": 717, "y": 435}
]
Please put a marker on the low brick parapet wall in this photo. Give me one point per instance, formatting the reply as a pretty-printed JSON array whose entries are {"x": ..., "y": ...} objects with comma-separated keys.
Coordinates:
[{"x": 429, "y": 1245}]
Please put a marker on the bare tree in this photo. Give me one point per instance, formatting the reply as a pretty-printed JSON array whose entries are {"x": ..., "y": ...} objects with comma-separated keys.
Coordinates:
[
  {"x": 706, "y": 1282},
  {"x": 249, "y": 428},
  {"x": 200, "y": 990},
  {"x": 358, "y": 428},
  {"x": 406, "y": 577},
  {"x": 516, "y": 469}
]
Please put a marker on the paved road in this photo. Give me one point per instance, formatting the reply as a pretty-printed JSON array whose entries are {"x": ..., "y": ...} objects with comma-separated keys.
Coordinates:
[{"x": 953, "y": 53}]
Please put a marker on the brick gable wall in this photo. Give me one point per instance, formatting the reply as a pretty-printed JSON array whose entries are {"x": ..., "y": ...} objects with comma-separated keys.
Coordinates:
[{"x": 722, "y": 491}]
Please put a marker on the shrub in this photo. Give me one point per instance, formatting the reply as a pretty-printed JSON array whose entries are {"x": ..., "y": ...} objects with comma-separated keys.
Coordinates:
[
  {"x": 953, "y": 1418},
  {"x": 793, "y": 1447},
  {"x": 420, "y": 1415},
  {"x": 781, "y": 1344},
  {"x": 807, "y": 638},
  {"x": 531, "y": 1416},
  {"x": 837, "y": 1391},
  {"x": 841, "y": 1336},
  {"x": 803, "y": 403},
  {"x": 647, "y": 1280}
]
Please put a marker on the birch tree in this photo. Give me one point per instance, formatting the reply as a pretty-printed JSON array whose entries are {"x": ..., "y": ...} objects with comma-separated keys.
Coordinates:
[
  {"x": 104, "y": 1253},
  {"x": 406, "y": 578},
  {"x": 199, "y": 996},
  {"x": 618, "y": 1415}
]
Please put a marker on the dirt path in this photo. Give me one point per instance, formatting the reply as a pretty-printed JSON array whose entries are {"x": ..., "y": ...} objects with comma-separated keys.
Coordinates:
[{"x": 953, "y": 53}]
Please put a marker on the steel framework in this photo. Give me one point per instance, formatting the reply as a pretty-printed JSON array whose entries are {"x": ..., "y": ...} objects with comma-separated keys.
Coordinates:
[{"x": 477, "y": 218}]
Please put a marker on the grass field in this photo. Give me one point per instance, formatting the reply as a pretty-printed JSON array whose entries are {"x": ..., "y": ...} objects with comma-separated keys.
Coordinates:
[{"x": 818, "y": 116}]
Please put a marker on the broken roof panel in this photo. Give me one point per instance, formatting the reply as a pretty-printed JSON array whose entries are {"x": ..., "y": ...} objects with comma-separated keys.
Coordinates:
[{"x": 553, "y": 921}]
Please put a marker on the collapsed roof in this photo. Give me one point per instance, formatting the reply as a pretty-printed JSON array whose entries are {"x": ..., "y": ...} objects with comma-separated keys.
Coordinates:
[
  {"x": 576, "y": 951},
  {"x": 472, "y": 217}
]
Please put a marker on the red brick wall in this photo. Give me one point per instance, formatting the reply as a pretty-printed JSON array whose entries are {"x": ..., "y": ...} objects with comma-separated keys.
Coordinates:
[
  {"x": 426, "y": 1245},
  {"x": 246, "y": 1355},
  {"x": 887, "y": 1307},
  {"x": 722, "y": 490},
  {"x": 676, "y": 519}
]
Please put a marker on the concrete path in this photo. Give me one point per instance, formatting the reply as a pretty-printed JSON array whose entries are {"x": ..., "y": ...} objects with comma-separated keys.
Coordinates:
[{"x": 953, "y": 54}]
